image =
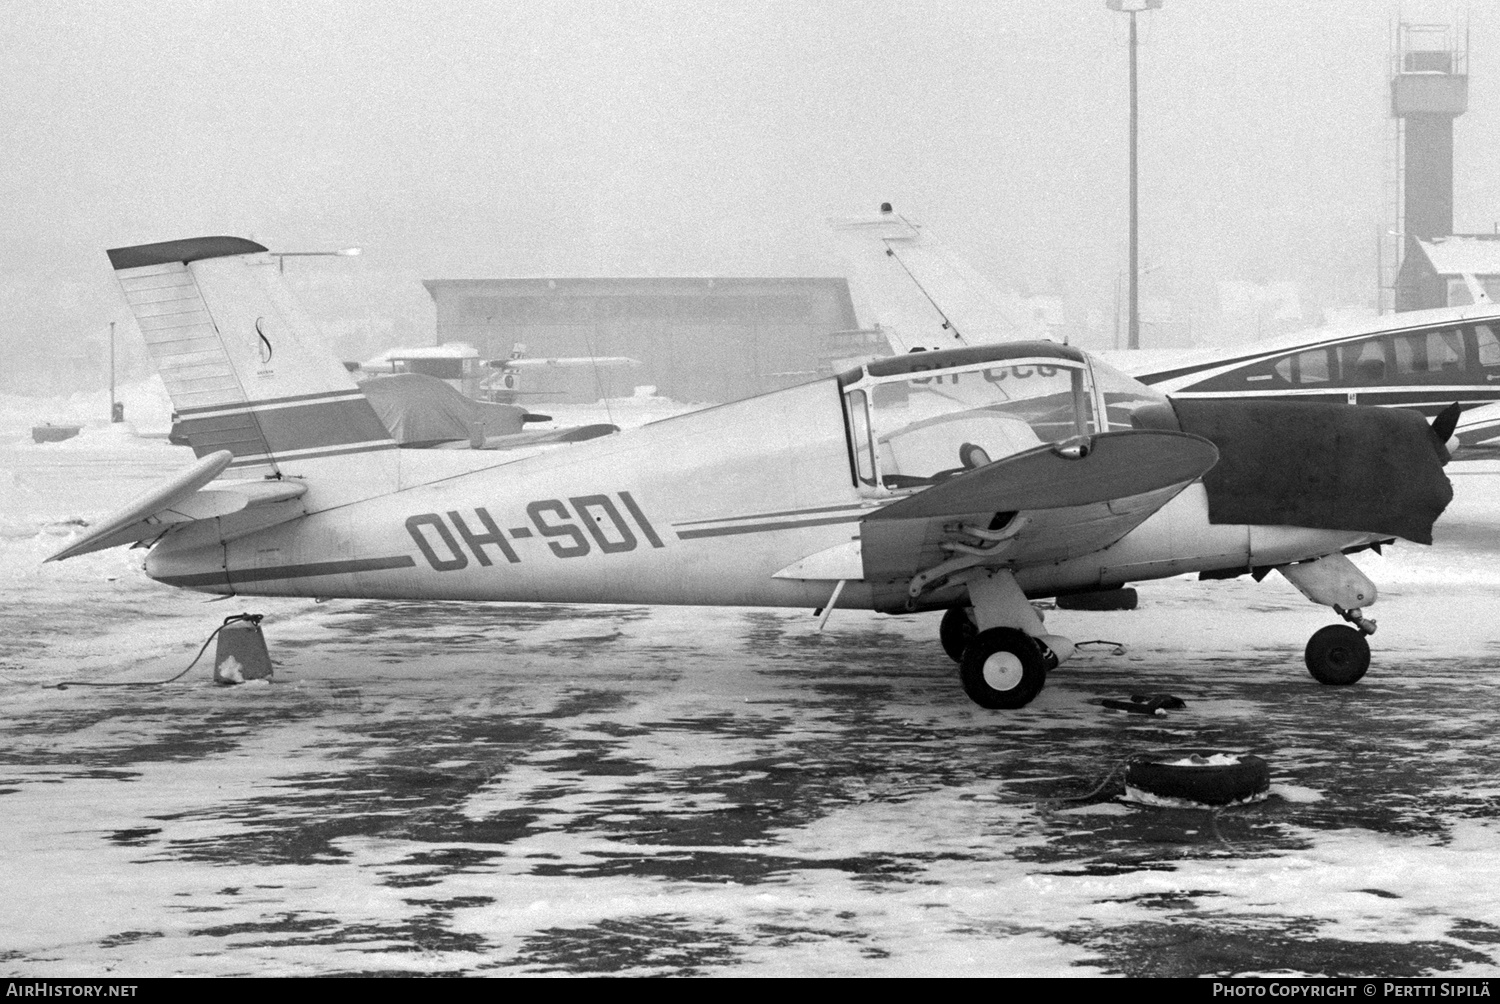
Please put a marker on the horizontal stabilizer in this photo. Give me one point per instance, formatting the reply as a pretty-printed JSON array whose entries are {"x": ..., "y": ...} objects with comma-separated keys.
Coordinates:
[
  {"x": 180, "y": 500},
  {"x": 1117, "y": 465}
]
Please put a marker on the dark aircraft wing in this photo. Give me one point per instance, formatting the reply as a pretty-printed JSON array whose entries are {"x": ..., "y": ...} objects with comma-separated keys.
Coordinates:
[{"x": 1034, "y": 507}]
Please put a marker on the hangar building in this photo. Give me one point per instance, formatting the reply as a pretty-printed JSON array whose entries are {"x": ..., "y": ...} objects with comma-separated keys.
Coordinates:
[
  {"x": 1433, "y": 272},
  {"x": 698, "y": 339}
]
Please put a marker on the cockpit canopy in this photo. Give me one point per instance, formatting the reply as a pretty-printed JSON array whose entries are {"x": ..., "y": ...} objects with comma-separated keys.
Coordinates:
[{"x": 918, "y": 419}]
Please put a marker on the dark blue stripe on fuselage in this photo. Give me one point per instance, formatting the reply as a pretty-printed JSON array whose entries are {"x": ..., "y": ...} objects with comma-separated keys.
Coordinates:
[
  {"x": 723, "y": 531},
  {"x": 268, "y": 402},
  {"x": 237, "y": 575}
]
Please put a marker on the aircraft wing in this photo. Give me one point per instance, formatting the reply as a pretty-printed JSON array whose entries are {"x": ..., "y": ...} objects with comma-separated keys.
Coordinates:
[
  {"x": 181, "y": 500},
  {"x": 1035, "y": 507},
  {"x": 526, "y": 362},
  {"x": 538, "y": 437},
  {"x": 1478, "y": 432}
]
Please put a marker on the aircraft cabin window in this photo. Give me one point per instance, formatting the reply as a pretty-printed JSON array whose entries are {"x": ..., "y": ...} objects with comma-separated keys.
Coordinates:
[
  {"x": 1310, "y": 367},
  {"x": 934, "y": 425},
  {"x": 1446, "y": 352},
  {"x": 1313, "y": 366},
  {"x": 859, "y": 437},
  {"x": 1363, "y": 362},
  {"x": 1488, "y": 345},
  {"x": 1424, "y": 353}
]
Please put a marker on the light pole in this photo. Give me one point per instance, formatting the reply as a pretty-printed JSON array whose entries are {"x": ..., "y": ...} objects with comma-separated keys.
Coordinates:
[
  {"x": 1133, "y": 7},
  {"x": 282, "y": 256},
  {"x": 1119, "y": 277},
  {"x": 116, "y": 410}
]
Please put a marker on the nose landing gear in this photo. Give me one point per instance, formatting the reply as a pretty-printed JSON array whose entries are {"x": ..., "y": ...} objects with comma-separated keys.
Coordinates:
[{"x": 1337, "y": 655}]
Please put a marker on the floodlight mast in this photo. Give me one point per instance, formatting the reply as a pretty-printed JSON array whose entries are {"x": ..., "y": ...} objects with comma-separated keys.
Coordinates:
[{"x": 1133, "y": 7}]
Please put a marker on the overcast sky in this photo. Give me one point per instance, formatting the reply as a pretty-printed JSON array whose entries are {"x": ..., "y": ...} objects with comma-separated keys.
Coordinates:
[{"x": 490, "y": 139}]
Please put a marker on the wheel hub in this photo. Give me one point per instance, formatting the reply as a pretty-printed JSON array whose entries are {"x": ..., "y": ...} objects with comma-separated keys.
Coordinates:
[{"x": 1003, "y": 671}]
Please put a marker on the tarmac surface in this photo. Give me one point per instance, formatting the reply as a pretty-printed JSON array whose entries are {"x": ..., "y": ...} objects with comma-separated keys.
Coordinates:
[{"x": 487, "y": 789}]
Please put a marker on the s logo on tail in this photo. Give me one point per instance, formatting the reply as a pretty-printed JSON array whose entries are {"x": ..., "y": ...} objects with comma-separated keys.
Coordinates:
[{"x": 265, "y": 343}]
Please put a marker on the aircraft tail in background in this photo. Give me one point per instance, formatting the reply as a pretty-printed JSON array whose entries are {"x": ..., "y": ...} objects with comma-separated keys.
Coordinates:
[
  {"x": 961, "y": 306},
  {"x": 247, "y": 370}
]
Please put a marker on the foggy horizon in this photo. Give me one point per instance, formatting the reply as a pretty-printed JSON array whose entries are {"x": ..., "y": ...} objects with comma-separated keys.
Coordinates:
[{"x": 473, "y": 141}]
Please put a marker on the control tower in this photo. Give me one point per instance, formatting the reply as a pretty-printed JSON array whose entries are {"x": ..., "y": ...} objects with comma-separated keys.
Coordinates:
[{"x": 1429, "y": 89}]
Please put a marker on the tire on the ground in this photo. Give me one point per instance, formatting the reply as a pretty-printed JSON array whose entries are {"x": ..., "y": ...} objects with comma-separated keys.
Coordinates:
[
  {"x": 956, "y": 631},
  {"x": 1030, "y": 669},
  {"x": 1104, "y": 599},
  {"x": 1209, "y": 784},
  {"x": 1337, "y": 655}
]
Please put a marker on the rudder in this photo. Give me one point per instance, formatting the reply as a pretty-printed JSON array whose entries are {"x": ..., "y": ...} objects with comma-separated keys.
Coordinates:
[{"x": 246, "y": 369}]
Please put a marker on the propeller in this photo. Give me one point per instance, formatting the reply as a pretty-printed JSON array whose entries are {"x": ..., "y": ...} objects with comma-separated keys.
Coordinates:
[{"x": 1443, "y": 424}]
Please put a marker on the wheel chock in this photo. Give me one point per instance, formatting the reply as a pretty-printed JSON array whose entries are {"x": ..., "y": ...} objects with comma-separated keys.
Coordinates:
[{"x": 241, "y": 655}]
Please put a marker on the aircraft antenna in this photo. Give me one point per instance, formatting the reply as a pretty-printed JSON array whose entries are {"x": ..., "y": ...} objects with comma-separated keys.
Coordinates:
[
  {"x": 598, "y": 380},
  {"x": 947, "y": 324}
]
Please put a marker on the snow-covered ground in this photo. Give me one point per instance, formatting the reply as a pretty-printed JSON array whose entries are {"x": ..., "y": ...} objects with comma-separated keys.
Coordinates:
[{"x": 487, "y": 788}]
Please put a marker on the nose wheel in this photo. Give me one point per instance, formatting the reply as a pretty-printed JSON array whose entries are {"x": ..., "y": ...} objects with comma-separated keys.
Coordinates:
[{"x": 1337, "y": 655}]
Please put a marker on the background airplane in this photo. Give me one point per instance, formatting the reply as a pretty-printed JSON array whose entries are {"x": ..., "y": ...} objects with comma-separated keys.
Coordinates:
[
  {"x": 969, "y": 481},
  {"x": 1425, "y": 360},
  {"x": 460, "y": 366}
]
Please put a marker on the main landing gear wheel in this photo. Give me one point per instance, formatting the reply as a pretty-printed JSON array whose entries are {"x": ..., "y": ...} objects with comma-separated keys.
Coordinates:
[
  {"x": 1337, "y": 655},
  {"x": 956, "y": 631},
  {"x": 1002, "y": 668}
]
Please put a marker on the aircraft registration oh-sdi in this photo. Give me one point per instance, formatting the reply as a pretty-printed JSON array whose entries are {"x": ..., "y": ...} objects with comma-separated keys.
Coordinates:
[{"x": 966, "y": 480}]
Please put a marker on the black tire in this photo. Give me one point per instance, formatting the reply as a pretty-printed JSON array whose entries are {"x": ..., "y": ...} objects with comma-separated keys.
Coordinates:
[
  {"x": 1165, "y": 776},
  {"x": 956, "y": 631},
  {"x": 1013, "y": 680},
  {"x": 1337, "y": 655},
  {"x": 1103, "y": 599}
]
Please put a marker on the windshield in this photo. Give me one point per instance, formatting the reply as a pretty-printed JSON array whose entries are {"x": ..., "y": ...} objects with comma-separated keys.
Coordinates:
[
  {"x": 1123, "y": 395},
  {"x": 920, "y": 429}
]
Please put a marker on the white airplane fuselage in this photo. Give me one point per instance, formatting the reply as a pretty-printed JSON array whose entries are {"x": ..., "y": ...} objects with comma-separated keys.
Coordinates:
[
  {"x": 967, "y": 480},
  {"x": 703, "y": 508}
]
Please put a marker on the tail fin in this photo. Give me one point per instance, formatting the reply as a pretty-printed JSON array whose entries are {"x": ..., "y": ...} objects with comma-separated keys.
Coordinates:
[
  {"x": 970, "y": 310},
  {"x": 246, "y": 369}
]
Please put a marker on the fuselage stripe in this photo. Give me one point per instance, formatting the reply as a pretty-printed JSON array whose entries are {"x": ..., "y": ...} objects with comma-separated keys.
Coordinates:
[
  {"x": 271, "y": 401},
  {"x": 721, "y": 531},
  {"x": 233, "y": 575},
  {"x": 769, "y": 515}
]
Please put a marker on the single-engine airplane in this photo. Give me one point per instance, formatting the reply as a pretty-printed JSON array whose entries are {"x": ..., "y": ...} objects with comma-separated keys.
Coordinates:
[{"x": 967, "y": 480}]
